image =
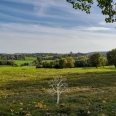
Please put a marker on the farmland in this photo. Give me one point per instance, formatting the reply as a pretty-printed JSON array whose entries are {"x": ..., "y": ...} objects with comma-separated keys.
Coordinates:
[
  {"x": 27, "y": 60},
  {"x": 23, "y": 92}
]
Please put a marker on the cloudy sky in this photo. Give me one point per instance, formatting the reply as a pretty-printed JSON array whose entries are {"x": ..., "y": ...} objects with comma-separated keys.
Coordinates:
[{"x": 31, "y": 26}]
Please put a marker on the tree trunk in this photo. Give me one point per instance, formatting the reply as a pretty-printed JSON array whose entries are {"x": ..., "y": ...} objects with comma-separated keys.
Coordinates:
[{"x": 58, "y": 97}]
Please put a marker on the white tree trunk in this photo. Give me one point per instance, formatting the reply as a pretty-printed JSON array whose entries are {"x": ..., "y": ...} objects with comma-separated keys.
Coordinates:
[{"x": 58, "y": 97}]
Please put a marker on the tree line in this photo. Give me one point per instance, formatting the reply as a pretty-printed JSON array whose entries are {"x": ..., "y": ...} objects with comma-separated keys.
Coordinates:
[
  {"x": 93, "y": 60},
  {"x": 65, "y": 60},
  {"x": 45, "y": 56},
  {"x": 7, "y": 62},
  {"x": 12, "y": 57}
]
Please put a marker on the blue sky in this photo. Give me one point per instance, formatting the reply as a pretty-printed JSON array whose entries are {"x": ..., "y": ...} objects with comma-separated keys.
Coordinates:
[{"x": 31, "y": 26}]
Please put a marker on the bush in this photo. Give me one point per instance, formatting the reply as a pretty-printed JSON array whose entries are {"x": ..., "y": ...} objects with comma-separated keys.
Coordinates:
[
  {"x": 39, "y": 66},
  {"x": 7, "y": 62},
  {"x": 69, "y": 65},
  {"x": 25, "y": 64}
]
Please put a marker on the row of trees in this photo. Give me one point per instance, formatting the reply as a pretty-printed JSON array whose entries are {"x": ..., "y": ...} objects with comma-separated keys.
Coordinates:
[
  {"x": 69, "y": 62},
  {"x": 7, "y": 62},
  {"x": 66, "y": 61},
  {"x": 45, "y": 56},
  {"x": 12, "y": 57},
  {"x": 94, "y": 60},
  {"x": 97, "y": 59}
]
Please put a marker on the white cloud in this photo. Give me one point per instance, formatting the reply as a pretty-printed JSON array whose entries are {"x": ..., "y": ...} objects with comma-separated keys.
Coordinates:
[
  {"x": 93, "y": 35},
  {"x": 37, "y": 38},
  {"x": 96, "y": 28}
]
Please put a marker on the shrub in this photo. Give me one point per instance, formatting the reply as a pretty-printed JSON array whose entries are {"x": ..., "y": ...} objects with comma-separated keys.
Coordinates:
[{"x": 69, "y": 65}]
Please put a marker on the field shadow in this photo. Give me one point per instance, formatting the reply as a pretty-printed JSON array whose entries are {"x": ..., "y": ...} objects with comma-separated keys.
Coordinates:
[
  {"x": 92, "y": 79},
  {"x": 23, "y": 84}
]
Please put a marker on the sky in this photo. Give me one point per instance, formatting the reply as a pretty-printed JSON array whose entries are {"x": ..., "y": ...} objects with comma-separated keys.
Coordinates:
[{"x": 53, "y": 26}]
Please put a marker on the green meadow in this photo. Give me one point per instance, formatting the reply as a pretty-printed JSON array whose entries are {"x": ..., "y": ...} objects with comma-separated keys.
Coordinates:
[
  {"x": 27, "y": 60},
  {"x": 91, "y": 92}
]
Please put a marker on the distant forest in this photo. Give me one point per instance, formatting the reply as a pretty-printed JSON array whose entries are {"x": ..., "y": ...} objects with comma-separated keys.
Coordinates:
[
  {"x": 55, "y": 60},
  {"x": 45, "y": 56}
]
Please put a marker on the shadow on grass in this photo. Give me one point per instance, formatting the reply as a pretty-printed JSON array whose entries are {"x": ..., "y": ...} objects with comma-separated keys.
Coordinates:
[
  {"x": 25, "y": 84},
  {"x": 88, "y": 79},
  {"x": 92, "y": 79}
]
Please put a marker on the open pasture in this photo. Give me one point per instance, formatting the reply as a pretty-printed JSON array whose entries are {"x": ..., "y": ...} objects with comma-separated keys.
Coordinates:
[
  {"x": 27, "y": 60},
  {"x": 23, "y": 92}
]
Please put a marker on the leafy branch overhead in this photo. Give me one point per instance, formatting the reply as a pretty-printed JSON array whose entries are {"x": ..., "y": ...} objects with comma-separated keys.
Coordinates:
[{"x": 108, "y": 7}]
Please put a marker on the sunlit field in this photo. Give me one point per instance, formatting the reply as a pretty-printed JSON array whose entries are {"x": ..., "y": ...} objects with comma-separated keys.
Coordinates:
[
  {"x": 27, "y": 60},
  {"x": 91, "y": 92}
]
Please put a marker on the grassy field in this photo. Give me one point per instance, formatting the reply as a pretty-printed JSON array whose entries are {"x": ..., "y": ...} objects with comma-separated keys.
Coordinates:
[
  {"x": 23, "y": 92},
  {"x": 27, "y": 60}
]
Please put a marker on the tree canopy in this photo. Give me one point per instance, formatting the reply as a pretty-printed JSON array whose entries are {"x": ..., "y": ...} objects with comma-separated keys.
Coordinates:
[
  {"x": 111, "y": 56},
  {"x": 108, "y": 7},
  {"x": 97, "y": 60}
]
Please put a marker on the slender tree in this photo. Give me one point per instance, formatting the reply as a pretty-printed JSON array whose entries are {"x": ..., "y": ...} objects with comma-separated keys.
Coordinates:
[{"x": 57, "y": 85}]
